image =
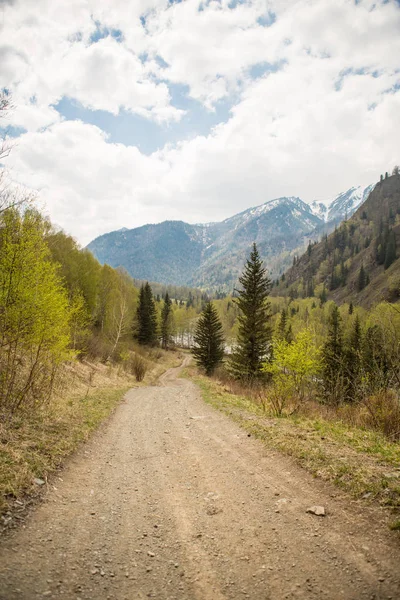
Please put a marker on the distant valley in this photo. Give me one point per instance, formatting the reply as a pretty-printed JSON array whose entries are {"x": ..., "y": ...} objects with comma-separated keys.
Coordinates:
[{"x": 211, "y": 256}]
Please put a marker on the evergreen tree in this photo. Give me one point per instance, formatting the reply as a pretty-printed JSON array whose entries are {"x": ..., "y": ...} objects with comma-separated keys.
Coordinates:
[
  {"x": 284, "y": 329},
  {"x": 362, "y": 279},
  {"x": 332, "y": 359},
  {"x": 353, "y": 362},
  {"x": 146, "y": 317},
  {"x": 390, "y": 254},
  {"x": 282, "y": 324},
  {"x": 254, "y": 333},
  {"x": 208, "y": 349},
  {"x": 166, "y": 322},
  {"x": 323, "y": 296}
]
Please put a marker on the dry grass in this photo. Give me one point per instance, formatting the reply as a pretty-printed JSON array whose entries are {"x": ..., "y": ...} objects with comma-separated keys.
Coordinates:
[
  {"x": 35, "y": 444},
  {"x": 363, "y": 462}
]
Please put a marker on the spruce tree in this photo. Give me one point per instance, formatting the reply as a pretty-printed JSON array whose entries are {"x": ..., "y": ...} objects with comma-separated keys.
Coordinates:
[
  {"x": 333, "y": 359},
  {"x": 253, "y": 346},
  {"x": 390, "y": 253},
  {"x": 146, "y": 317},
  {"x": 282, "y": 324},
  {"x": 353, "y": 362},
  {"x": 362, "y": 279},
  {"x": 323, "y": 296},
  {"x": 208, "y": 349},
  {"x": 166, "y": 322}
]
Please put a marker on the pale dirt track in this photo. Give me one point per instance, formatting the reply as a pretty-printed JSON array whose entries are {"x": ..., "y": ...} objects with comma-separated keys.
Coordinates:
[{"x": 172, "y": 500}]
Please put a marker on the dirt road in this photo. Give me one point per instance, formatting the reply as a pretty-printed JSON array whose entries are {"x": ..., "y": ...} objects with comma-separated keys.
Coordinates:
[{"x": 171, "y": 500}]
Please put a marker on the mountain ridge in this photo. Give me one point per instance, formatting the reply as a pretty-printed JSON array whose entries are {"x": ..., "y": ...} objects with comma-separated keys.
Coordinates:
[{"x": 211, "y": 255}]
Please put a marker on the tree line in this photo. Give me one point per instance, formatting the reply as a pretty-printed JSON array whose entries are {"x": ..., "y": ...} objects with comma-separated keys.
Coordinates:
[{"x": 294, "y": 351}]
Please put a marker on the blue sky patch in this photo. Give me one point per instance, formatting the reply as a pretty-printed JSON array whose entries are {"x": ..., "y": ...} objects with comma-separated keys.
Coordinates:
[
  {"x": 267, "y": 20},
  {"x": 134, "y": 130},
  {"x": 102, "y": 32}
]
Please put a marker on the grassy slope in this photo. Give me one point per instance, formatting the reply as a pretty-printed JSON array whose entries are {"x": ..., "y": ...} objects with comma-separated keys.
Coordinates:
[{"x": 361, "y": 462}]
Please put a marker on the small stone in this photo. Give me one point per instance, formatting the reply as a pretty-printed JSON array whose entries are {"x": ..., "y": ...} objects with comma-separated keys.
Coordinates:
[
  {"x": 151, "y": 554},
  {"x": 317, "y": 510},
  {"x": 39, "y": 482},
  {"x": 148, "y": 569},
  {"x": 381, "y": 579},
  {"x": 47, "y": 594}
]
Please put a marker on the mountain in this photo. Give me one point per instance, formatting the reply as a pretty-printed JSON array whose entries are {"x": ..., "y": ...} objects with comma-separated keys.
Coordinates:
[
  {"x": 212, "y": 255},
  {"x": 359, "y": 261},
  {"x": 346, "y": 203}
]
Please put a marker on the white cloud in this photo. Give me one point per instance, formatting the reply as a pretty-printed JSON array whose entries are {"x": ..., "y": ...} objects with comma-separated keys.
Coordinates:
[
  {"x": 50, "y": 57},
  {"x": 326, "y": 120}
]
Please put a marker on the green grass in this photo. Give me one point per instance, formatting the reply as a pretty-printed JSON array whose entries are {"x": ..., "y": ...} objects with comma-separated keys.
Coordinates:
[{"x": 361, "y": 462}]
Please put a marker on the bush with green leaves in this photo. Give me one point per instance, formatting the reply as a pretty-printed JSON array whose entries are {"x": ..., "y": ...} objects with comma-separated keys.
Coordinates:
[{"x": 34, "y": 309}]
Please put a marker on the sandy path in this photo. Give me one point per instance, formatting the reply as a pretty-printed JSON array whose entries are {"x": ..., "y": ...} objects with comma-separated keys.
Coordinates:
[{"x": 173, "y": 500}]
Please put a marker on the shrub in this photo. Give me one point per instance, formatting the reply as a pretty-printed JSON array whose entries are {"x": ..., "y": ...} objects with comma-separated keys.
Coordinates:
[{"x": 139, "y": 367}]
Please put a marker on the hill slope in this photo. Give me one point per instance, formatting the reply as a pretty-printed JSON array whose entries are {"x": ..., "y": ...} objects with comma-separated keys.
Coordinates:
[{"x": 359, "y": 261}]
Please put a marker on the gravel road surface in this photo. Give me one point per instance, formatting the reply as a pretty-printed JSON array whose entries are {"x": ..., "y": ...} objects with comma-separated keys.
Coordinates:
[{"x": 172, "y": 500}]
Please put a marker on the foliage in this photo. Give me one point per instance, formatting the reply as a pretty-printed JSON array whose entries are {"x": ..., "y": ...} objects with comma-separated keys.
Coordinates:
[
  {"x": 333, "y": 359},
  {"x": 208, "y": 348},
  {"x": 146, "y": 317},
  {"x": 253, "y": 344},
  {"x": 293, "y": 368},
  {"x": 35, "y": 314},
  {"x": 167, "y": 323}
]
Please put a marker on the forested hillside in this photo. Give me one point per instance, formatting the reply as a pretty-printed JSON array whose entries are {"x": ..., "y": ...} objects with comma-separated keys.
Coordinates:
[{"x": 359, "y": 261}]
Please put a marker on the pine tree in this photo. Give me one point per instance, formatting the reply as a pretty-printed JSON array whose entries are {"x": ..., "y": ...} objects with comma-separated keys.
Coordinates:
[
  {"x": 208, "y": 349},
  {"x": 390, "y": 254},
  {"x": 254, "y": 334},
  {"x": 353, "y": 361},
  {"x": 146, "y": 317},
  {"x": 323, "y": 296},
  {"x": 333, "y": 359},
  {"x": 362, "y": 279},
  {"x": 282, "y": 324},
  {"x": 166, "y": 322}
]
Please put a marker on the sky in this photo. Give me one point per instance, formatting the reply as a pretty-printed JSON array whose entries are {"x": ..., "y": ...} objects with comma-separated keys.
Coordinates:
[{"x": 129, "y": 112}]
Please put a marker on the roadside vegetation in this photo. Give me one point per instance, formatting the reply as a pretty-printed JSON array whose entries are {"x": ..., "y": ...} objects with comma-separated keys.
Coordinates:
[
  {"x": 72, "y": 340},
  {"x": 316, "y": 381},
  {"x": 360, "y": 461}
]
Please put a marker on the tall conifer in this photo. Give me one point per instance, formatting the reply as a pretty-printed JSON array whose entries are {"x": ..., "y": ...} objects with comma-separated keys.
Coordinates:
[
  {"x": 208, "y": 349},
  {"x": 254, "y": 334},
  {"x": 146, "y": 317},
  {"x": 333, "y": 359},
  {"x": 166, "y": 322}
]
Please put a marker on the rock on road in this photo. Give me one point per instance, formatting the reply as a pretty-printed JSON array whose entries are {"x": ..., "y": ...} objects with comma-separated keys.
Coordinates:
[{"x": 172, "y": 500}]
